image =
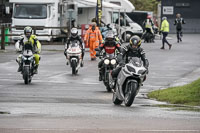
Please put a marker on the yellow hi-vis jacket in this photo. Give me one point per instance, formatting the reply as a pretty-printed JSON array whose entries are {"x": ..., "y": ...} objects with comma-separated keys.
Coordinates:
[{"x": 164, "y": 26}]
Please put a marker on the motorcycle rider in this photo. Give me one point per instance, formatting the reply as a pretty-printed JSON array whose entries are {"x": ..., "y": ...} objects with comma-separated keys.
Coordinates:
[
  {"x": 178, "y": 22},
  {"x": 110, "y": 45},
  {"x": 75, "y": 37},
  {"x": 131, "y": 50},
  {"x": 29, "y": 38},
  {"x": 148, "y": 23}
]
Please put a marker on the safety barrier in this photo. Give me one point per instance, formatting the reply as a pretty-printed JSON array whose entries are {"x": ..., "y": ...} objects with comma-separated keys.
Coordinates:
[{"x": 5, "y": 35}]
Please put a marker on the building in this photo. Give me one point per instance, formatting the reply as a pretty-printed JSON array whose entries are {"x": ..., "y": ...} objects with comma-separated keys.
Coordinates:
[
  {"x": 5, "y": 11},
  {"x": 189, "y": 10}
]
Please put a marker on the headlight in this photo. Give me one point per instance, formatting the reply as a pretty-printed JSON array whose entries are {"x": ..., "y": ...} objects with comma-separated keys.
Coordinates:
[
  {"x": 113, "y": 61},
  {"x": 30, "y": 58},
  {"x": 106, "y": 61},
  {"x": 24, "y": 58}
]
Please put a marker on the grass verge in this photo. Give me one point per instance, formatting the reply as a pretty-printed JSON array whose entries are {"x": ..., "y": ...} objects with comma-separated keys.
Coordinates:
[{"x": 188, "y": 94}]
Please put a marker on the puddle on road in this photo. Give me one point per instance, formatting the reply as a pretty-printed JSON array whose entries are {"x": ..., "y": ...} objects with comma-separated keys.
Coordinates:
[
  {"x": 175, "y": 107},
  {"x": 4, "y": 112}
]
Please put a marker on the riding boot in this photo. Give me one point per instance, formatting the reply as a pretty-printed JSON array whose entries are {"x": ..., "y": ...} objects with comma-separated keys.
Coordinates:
[
  {"x": 20, "y": 66},
  {"x": 35, "y": 71}
]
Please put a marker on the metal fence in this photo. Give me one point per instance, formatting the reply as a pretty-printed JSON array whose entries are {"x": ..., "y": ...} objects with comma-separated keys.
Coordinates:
[{"x": 5, "y": 27}]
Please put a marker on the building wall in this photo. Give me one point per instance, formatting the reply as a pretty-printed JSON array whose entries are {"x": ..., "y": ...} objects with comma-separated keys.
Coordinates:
[{"x": 189, "y": 10}]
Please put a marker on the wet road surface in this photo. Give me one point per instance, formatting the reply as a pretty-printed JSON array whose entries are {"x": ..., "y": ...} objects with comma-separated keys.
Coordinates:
[{"x": 57, "y": 102}]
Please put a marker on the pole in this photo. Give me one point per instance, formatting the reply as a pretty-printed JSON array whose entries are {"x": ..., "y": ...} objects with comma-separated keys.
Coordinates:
[
  {"x": 2, "y": 37},
  {"x": 99, "y": 12}
]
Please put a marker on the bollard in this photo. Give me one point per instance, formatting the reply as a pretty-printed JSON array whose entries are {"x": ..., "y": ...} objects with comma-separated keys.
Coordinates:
[
  {"x": 6, "y": 36},
  {"x": 2, "y": 37}
]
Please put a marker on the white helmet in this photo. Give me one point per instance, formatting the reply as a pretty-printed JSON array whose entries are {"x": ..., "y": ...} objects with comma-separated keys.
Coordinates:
[
  {"x": 164, "y": 18},
  {"x": 74, "y": 32}
]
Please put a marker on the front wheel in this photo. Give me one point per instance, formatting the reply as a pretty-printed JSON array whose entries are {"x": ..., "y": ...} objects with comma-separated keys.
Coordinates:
[
  {"x": 107, "y": 81},
  {"x": 74, "y": 64},
  {"x": 130, "y": 92},
  {"x": 26, "y": 74},
  {"x": 115, "y": 100}
]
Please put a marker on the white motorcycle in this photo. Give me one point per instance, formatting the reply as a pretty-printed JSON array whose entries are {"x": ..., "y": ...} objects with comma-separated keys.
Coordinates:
[
  {"x": 129, "y": 81},
  {"x": 74, "y": 56}
]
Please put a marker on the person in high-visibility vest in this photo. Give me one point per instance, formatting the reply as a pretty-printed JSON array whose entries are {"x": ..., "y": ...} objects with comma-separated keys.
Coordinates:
[
  {"x": 26, "y": 39},
  {"x": 92, "y": 39},
  {"x": 165, "y": 30},
  {"x": 148, "y": 24}
]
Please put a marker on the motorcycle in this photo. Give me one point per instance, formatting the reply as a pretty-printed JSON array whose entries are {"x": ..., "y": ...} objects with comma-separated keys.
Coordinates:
[
  {"x": 74, "y": 56},
  {"x": 108, "y": 28},
  {"x": 148, "y": 36},
  {"x": 28, "y": 63},
  {"x": 129, "y": 81},
  {"x": 109, "y": 63}
]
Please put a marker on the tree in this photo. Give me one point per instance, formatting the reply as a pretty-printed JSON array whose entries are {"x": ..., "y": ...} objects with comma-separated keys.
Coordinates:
[{"x": 145, "y": 5}]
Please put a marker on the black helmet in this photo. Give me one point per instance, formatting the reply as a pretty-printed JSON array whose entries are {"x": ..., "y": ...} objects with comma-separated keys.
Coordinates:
[
  {"x": 135, "y": 40},
  {"x": 27, "y": 31},
  {"x": 74, "y": 32},
  {"x": 110, "y": 36}
]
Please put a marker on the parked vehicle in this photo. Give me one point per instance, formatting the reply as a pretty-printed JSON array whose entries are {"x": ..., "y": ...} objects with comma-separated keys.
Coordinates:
[
  {"x": 40, "y": 14},
  {"x": 107, "y": 28},
  {"x": 129, "y": 81},
  {"x": 74, "y": 56}
]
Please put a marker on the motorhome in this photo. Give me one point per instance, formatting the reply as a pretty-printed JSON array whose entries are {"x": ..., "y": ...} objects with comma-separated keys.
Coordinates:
[
  {"x": 110, "y": 13},
  {"x": 40, "y": 13}
]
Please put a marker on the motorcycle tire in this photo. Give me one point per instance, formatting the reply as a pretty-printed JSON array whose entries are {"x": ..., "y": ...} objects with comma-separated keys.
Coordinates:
[
  {"x": 106, "y": 82},
  {"x": 115, "y": 100},
  {"x": 26, "y": 74},
  {"x": 130, "y": 93},
  {"x": 73, "y": 64}
]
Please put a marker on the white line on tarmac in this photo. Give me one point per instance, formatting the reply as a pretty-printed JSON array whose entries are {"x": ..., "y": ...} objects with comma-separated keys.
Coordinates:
[{"x": 170, "y": 130}]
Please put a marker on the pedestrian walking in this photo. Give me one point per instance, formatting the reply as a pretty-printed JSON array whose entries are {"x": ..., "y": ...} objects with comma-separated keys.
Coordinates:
[
  {"x": 165, "y": 30},
  {"x": 178, "y": 22},
  {"x": 92, "y": 39}
]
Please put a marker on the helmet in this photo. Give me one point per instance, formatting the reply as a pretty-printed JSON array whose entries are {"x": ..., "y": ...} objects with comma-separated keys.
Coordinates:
[
  {"x": 27, "y": 31},
  {"x": 110, "y": 36},
  {"x": 178, "y": 15},
  {"x": 149, "y": 17},
  {"x": 74, "y": 32},
  {"x": 135, "y": 41},
  {"x": 164, "y": 18}
]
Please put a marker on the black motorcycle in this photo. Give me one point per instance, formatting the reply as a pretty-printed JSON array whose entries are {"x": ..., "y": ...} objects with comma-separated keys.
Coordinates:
[
  {"x": 28, "y": 63},
  {"x": 109, "y": 63},
  {"x": 148, "y": 36}
]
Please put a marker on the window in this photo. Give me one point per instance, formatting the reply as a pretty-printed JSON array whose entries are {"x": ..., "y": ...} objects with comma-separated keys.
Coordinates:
[
  {"x": 29, "y": 11},
  {"x": 116, "y": 3},
  {"x": 80, "y": 10},
  {"x": 182, "y": 4}
]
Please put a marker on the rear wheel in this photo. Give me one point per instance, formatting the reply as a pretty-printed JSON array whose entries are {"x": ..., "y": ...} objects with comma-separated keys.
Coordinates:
[
  {"x": 73, "y": 64},
  {"x": 130, "y": 93}
]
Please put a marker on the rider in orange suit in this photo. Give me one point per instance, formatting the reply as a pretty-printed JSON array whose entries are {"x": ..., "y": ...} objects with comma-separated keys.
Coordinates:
[{"x": 92, "y": 39}]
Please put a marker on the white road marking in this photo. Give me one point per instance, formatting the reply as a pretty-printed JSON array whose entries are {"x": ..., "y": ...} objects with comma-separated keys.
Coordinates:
[{"x": 170, "y": 130}]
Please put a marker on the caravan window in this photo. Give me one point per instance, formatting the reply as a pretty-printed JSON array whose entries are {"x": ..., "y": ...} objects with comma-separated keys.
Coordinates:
[{"x": 30, "y": 11}]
